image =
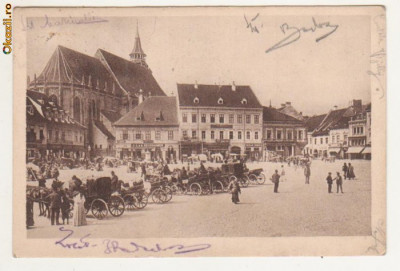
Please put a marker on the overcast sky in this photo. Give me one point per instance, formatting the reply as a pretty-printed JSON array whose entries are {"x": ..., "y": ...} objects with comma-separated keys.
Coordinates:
[{"x": 314, "y": 76}]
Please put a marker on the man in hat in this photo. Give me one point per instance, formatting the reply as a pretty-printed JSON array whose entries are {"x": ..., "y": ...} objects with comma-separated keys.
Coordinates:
[
  {"x": 329, "y": 180},
  {"x": 55, "y": 205},
  {"x": 275, "y": 180},
  {"x": 339, "y": 182}
]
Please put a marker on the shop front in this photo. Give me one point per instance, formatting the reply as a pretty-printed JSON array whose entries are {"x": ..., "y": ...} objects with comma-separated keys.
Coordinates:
[{"x": 253, "y": 152}]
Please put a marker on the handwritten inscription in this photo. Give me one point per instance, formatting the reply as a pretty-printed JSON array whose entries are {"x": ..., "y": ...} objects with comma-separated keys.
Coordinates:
[
  {"x": 48, "y": 22},
  {"x": 379, "y": 236},
  {"x": 293, "y": 33},
  {"x": 112, "y": 246},
  {"x": 251, "y": 23}
]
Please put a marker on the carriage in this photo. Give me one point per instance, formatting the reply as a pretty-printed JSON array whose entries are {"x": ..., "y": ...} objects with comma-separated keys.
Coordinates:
[
  {"x": 236, "y": 171},
  {"x": 256, "y": 176},
  {"x": 135, "y": 197},
  {"x": 100, "y": 199},
  {"x": 160, "y": 192},
  {"x": 205, "y": 183}
]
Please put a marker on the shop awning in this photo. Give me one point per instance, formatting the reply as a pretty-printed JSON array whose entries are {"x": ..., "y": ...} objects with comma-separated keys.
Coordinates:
[
  {"x": 355, "y": 149},
  {"x": 334, "y": 149},
  {"x": 367, "y": 150}
]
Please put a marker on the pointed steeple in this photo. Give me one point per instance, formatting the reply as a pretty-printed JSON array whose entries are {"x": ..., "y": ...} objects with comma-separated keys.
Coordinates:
[{"x": 137, "y": 55}]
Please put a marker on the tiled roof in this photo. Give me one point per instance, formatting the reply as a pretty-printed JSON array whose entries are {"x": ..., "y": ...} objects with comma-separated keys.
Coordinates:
[
  {"x": 112, "y": 116},
  {"x": 104, "y": 130},
  {"x": 313, "y": 122},
  {"x": 153, "y": 111},
  {"x": 334, "y": 119},
  {"x": 291, "y": 111},
  {"x": 271, "y": 114},
  {"x": 131, "y": 76},
  {"x": 217, "y": 96},
  {"x": 66, "y": 65}
]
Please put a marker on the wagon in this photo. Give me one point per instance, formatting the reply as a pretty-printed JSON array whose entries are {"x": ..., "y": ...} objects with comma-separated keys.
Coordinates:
[
  {"x": 135, "y": 197},
  {"x": 235, "y": 171},
  {"x": 205, "y": 183},
  {"x": 100, "y": 199},
  {"x": 256, "y": 176}
]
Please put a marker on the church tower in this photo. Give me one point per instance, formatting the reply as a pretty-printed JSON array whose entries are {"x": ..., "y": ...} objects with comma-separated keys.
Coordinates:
[{"x": 137, "y": 55}]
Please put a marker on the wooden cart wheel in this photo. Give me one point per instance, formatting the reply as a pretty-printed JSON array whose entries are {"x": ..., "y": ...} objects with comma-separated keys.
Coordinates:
[
  {"x": 99, "y": 208},
  {"x": 195, "y": 188},
  {"x": 232, "y": 177},
  {"x": 141, "y": 200},
  {"x": 218, "y": 187},
  {"x": 261, "y": 178},
  {"x": 168, "y": 192},
  {"x": 253, "y": 178},
  {"x": 130, "y": 201},
  {"x": 116, "y": 206},
  {"x": 244, "y": 181},
  {"x": 159, "y": 196}
]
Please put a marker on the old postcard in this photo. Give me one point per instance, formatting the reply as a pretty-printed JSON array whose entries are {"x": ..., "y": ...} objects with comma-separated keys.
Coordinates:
[{"x": 201, "y": 131}]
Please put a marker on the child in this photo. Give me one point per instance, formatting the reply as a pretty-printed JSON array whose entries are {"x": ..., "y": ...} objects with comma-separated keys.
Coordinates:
[{"x": 65, "y": 207}]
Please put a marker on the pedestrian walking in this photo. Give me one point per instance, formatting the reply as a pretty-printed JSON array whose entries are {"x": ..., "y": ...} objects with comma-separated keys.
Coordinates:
[
  {"x": 283, "y": 174},
  {"x": 307, "y": 173},
  {"x": 234, "y": 189},
  {"x": 345, "y": 170},
  {"x": 275, "y": 179},
  {"x": 55, "y": 205},
  {"x": 339, "y": 183},
  {"x": 350, "y": 172},
  {"x": 329, "y": 180}
]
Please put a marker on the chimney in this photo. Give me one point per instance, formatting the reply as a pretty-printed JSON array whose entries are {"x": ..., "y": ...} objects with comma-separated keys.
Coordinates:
[
  {"x": 196, "y": 86},
  {"x": 335, "y": 107},
  {"x": 34, "y": 81},
  {"x": 288, "y": 103},
  {"x": 233, "y": 86},
  {"x": 301, "y": 113},
  {"x": 140, "y": 96},
  {"x": 357, "y": 105},
  {"x": 283, "y": 105}
]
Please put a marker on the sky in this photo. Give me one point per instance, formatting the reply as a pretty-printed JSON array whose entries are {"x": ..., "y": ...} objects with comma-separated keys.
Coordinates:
[{"x": 313, "y": 76}]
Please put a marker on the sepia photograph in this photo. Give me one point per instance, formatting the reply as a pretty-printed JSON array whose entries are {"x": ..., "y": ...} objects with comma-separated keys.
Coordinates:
[{"x": 153, "y": 132}]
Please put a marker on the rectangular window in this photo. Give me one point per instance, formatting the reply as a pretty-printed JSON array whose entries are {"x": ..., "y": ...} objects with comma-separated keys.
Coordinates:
[
  {"x": 333, "y": 139},
  {"x": 184, "y": 133},
  {"x": 221, "y": 134},
  {"x": 158, "y": 135},
  {"x": 203, "y": 134},
  {"x": 326, "y": 140},
  {"x": 248, "y": 135},
  {"x": 50, "y": 134},
  {"x": 231, "y": 118},
  {"x": 239, "y": 118},
  {"x": 41, "y": 134},
  {"x": 230, "y": 134},
  {"x": 194, "y": 118},
  {"x": 138, "y": 135},
  {"x": 255, "y": 135},
  {"x": 221, "y": 118},
  {"x": 212, "y": 134},
  {"x": 212, "y": 118},
  {"x": 300, "y": 135},
  {"x": 354, "y": 131},
  {"x": 361, "y": 130},
  {"x": 289, "y": 135},
  {"x": 239, "y": 135},
  {"x": 100, "y": 146},
  {"x": 321, "y": 140},
  {"x": 279, "y": 135},
  {"x": 203, "y": 118},
  {"x": 63, "y": 135},
  {"x": 193, "y": 134},
  {"x": 256, "y": 119},
  {"x": 170, "y": 135},
  {"x": 148, "y": 135},
  {"x": 269, "y": 134},
  {"x": 338, "y": 138},
  {"x": 125, "y": 135},
  {"x": 184, "y": 117},
  {"x": 315, "y": 141},
  {"x": 248, "y": 118}
]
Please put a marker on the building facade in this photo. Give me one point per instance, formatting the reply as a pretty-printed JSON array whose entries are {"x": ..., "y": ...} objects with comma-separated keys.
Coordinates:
[
  {"x": 360, "y": 135},
  {"x": 219, "y": 120},
  {"x": 84, "y": 86},
  {"x": 50, "y": 132},
  {"x": 150, "y": 131},
  {"x": 282, "y": 134}
]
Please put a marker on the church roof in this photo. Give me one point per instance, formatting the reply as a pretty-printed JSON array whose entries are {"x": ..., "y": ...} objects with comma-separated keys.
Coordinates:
[
  {"x": 66, "y": 66},
  {"x": 104, "y": 130},
  {"x": 130, "y": 76},
  {"x": 217, "y": 96},
  {"x": 112, "y": 116},
  {"x": 153, "y": 111},
  {"x": 137, "y": 48}
]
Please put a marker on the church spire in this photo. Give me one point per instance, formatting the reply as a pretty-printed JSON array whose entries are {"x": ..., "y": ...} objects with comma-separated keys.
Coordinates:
[{"x": 137, "y": 55}]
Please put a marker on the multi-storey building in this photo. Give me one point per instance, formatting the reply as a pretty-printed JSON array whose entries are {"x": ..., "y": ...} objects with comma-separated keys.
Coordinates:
[
  {"x": 220, "y": 119},
  {"x": 312, "y": 123},
  {"x": 360, "y": 135},
  {"x": 150, "y": 131},
  {"x": 50, "y": 131},
  {"x": 282, "y": 133},
  {"x": 84, "y": 86}
]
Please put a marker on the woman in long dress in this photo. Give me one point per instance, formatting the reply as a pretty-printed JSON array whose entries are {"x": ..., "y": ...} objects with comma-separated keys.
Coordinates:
[{"x": 79, "y": 210}]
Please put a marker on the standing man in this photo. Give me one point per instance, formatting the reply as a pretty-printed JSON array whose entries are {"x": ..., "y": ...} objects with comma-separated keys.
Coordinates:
[
  {"x": 275, "y": 180},
  {"x": 114, "y": 181},
  {"x": 143, "y": 168},
  {"x": 345, "y": 169},
  {"x": 307, "y": 173},
  {"x": 55, "y": 205},
  {"x": 329, "y": 180},
  {"x": 339, "y": 182}
]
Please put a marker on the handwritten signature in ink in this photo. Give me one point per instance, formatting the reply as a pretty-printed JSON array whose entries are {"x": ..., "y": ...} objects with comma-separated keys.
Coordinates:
[
  {"x": 112, "y": 246},
  {"x": 251, "y": 23},
  {"x": 66, "y": 242},
  {"x": 293, "y": 33},
  {"x": 379, "y": 236}
]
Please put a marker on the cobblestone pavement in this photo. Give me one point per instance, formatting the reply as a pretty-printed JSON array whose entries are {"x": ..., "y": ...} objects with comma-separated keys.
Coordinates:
[{"x": 297, "y": 210}]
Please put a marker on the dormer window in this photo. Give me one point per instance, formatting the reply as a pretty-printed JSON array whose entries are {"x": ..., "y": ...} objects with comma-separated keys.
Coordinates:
[
  {"x": 244, "y": 101},
  {"x": 196, "y": 100},
  {"x": 220, "y": 101}
]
